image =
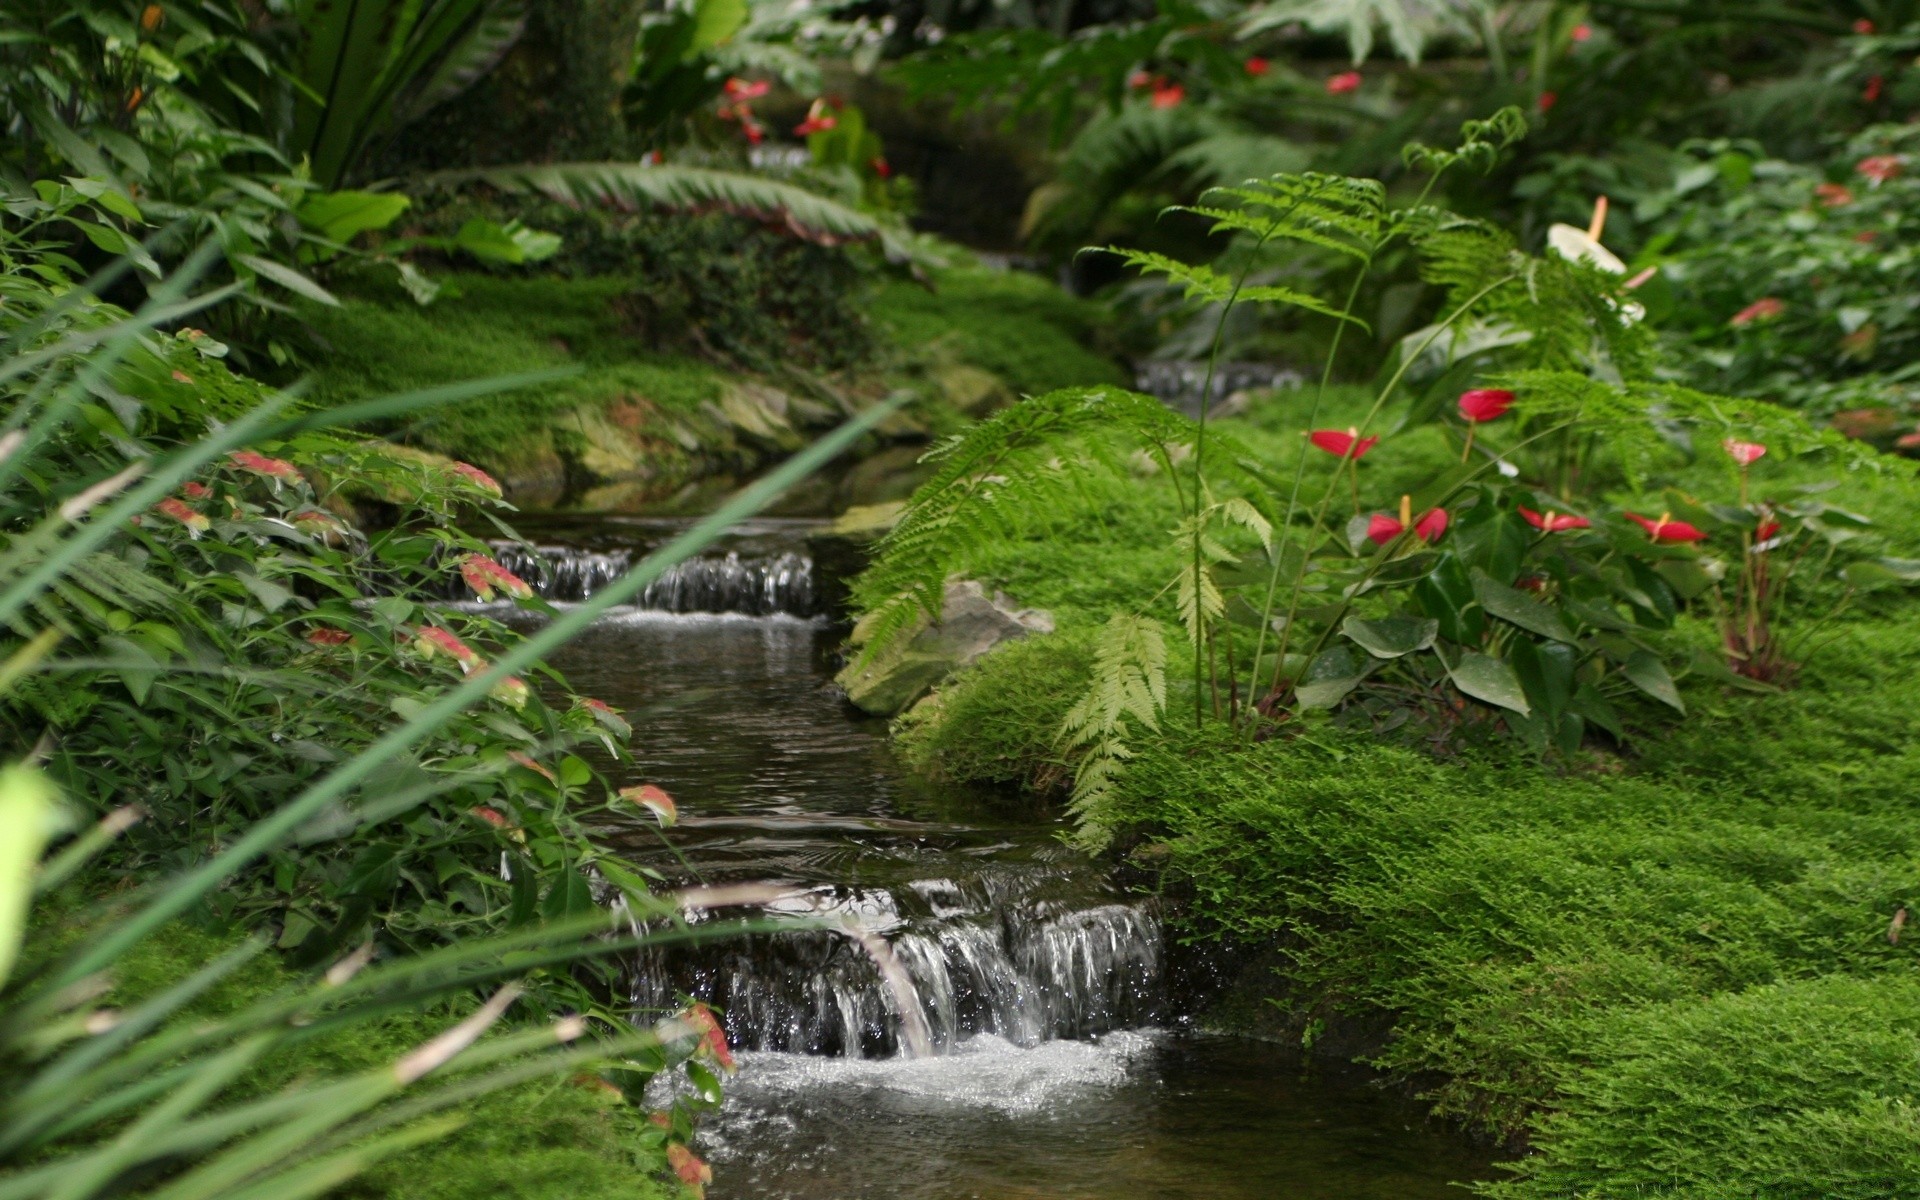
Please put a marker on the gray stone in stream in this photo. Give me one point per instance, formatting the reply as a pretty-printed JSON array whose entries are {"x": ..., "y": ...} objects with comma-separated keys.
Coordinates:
[{"x": 971, "y": 623}]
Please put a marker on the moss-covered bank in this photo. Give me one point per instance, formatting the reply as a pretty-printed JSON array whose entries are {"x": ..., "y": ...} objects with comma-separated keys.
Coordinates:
[
  {"x": 642, "y": 415},
  {"x": 1671, "y": 970}
]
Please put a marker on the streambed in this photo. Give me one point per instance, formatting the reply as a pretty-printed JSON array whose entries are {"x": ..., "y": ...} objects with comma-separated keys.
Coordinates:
[{"x": 1064, "y": 1067}]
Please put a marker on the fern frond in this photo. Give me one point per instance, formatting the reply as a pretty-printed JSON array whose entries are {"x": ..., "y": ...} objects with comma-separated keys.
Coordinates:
[
  {"x": 991, "y": 480},
  {"x": 639, "y": 185},
  {"x": 1128, "y": 688}
]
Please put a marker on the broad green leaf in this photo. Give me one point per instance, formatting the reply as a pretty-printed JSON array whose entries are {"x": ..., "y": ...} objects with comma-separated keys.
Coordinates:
[
  {"x": 1392, "y": 637},
  {"x": 341, "y": 216},
  {"x": 1511, "y": 604},
  {"x": 289, "y": 279},
  {"x": 1330, "y": 676},
  {"x": 1645, "y": 671},
  {"x": 1489, "y": 679},
  {"x": 714, "y": 21}
]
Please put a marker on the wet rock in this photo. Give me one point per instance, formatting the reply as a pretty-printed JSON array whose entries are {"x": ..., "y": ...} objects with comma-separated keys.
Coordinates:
[{"x": 971, "y": 623}]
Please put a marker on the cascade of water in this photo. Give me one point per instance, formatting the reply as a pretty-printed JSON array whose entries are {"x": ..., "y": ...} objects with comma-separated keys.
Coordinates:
[
  {"x": 732, "y": 583},
  {"x": 1019, "y": 971}
]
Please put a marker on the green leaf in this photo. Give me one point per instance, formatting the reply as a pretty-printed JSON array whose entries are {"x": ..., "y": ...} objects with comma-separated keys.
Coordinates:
[
  {"x": 289, "y": 279},
  {"x": 1330, "y": 676},
  {"x": 1645, "y": 671},
  {"x": 1515, "y": 606},
  {"x": 1489, "y": 679},
  {"x": 342, "y": 216},
  {"x": 1392, "y": 637},
  {"x": 714, "y": 21}
]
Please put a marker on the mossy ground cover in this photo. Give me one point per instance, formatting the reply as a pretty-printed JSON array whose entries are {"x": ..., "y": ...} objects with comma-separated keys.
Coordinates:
[
  {"x": 1016, "y": 327},
  {"x": 1665, "y": 967}
]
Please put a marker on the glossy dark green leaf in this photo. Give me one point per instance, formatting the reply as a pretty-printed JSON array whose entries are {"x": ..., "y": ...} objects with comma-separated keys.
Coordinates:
[
  {"x": 1515, "y": 606},
  {"x": 1330, "y": 676},
  {"x": 1392, "y": 637},
  {"x": 1645, "y": 671},
  {"x": 1489, "y": 679}
]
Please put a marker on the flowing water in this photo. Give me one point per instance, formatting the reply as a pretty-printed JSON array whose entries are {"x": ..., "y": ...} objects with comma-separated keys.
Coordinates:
[{"x": 1062, "y": 1066}]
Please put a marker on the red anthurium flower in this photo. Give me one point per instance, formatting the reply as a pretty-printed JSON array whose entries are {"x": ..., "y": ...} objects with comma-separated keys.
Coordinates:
[
  {"x": 1834, "y": 195},
  {"x": 477, "y": 478},
  {"x": 1667, "y": 530},
  {"x": 688, "y": 1166},
  {"x": 1531, "y": 583},
  {"x": 1547, "y": 100},
  {"x": 1766, "y": 529},
  {"x": 1581, "y": 32},
  {"x": 1764, "y": 309},
  {"x": 491, "y": 816},
  {"x": 1863, "y": 26},
  {"x": 1139, "y": 80},
  {"x": 1344, "y": 82},
  {"x": 1879, "y": 167},
  {"x": 1553, "y": 522},
  {"x": 753, "y": 131},
  {"x": 1871, "y": 92},
  {"x": 881, "y": 167},
  {"x": 327, "y": 635},
  {"x": 1485, "y": 404},
  {"x": 483, "y": 575},
  {"x": 526, "y": 761},
  {"x": 1382, "y": 529},
  {"x": 713, "y": 1039},
  {"x": 512, "y": 692},
  {"x": 819, "y": 120},
  {"x": 742, "y": 89},
  {"x": 655, "y": 800},
  {"x": 1347, "y": 444},
  {"x": 431, "y": 640},
  {"x": 260, "y": 464},
  {"x": 182, "y": 512},
  {"x": 1257, "y": 66},
  {"x": 1431, "y": 525},
  {"x": 1744, "y": 453},
  {"x": 1168, "y": 95}
]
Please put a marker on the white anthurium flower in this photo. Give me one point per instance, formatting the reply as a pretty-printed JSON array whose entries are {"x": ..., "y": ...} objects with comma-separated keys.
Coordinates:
[{"x": 1583, "y": 246}]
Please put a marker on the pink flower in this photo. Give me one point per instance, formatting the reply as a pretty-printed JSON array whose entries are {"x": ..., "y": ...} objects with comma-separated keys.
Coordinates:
[
  {"x": 1553, "y": 522},
  {"x": 1581, "y": 32},
  {"x": 1139, "y": 80},
  {"x": 491, "y": 816},
  {"x": 741, "y": 89},
  {"x": 431, "y": 640},
  {"x": 1167, "y": 95},
  {"x": 655, "y": 800},
  {"x": 881, "y": 167},
  {"x": 184, "y": 513},
  {"x": 483, "y": 575},
  {"x": 606, "y": 716},
  {"x": 1863, "y": 27},
  {"x": 512, "y": 692},
  {"x": 1834, "y": 195},
  {"x": 316, "y": 524},
  {"x": 1764, "y": 309},
  {"x": 819, "y": 120},
  {"x": 1344, "y": 82},
  {"x": 688, "y": 1166},
  {"x": 1382, "y": 529},
  {"x": 1866, "y": 237},
  {"x": 1485, "y": 404},
  {"x": 1257, "y": 66},
  {"x": 193, "y": 489},
  {"x": 1879, "y": 167},
  {"x": 1343, "y": 445},
  {"x": 260, "y": 464},
  {"x": 327, "y": 635},
  {"x": 523, "y": 760},
  {"x": 1666, "y": 530},
  {"x": 713, "y": 1039},
  {"x": 1744, "y": 453},
  {"x": 475, "y": 477}
]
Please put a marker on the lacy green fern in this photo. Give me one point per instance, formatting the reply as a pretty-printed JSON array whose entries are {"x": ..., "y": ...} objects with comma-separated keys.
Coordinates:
[{"x": 1129, "y": 687}]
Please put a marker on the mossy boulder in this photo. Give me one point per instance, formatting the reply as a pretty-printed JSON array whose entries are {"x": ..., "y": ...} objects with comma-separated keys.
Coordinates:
[{"x": 971, "y": 623}]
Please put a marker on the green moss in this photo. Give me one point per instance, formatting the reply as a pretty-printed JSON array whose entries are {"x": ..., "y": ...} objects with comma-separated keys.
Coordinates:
[
  {"x": 1018, "y": 326},
  {"x": 1667, "y": 968}
]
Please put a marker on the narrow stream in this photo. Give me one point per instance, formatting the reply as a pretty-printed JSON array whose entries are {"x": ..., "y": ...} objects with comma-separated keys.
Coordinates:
[{"x": 1063, "y": 1067}]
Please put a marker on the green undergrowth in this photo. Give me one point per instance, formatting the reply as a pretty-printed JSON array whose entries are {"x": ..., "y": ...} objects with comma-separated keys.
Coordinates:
[
  {"x": 1020, "y": 327},
  {"x": 551, "y": 1139},
  {"x": 1665, "y": 966},
  {"x": 654, "y": 392}
]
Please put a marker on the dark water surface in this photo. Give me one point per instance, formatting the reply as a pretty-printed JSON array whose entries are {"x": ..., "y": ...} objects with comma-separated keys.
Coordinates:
[{"x": 1064, "y": 1069}]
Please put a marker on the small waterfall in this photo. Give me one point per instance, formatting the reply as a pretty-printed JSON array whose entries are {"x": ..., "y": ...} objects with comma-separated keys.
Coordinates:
[
  {"x": 1179, "y": 382},
  {"x": 1019, "y": 971},
  {"x": 755, "y": 585}
]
